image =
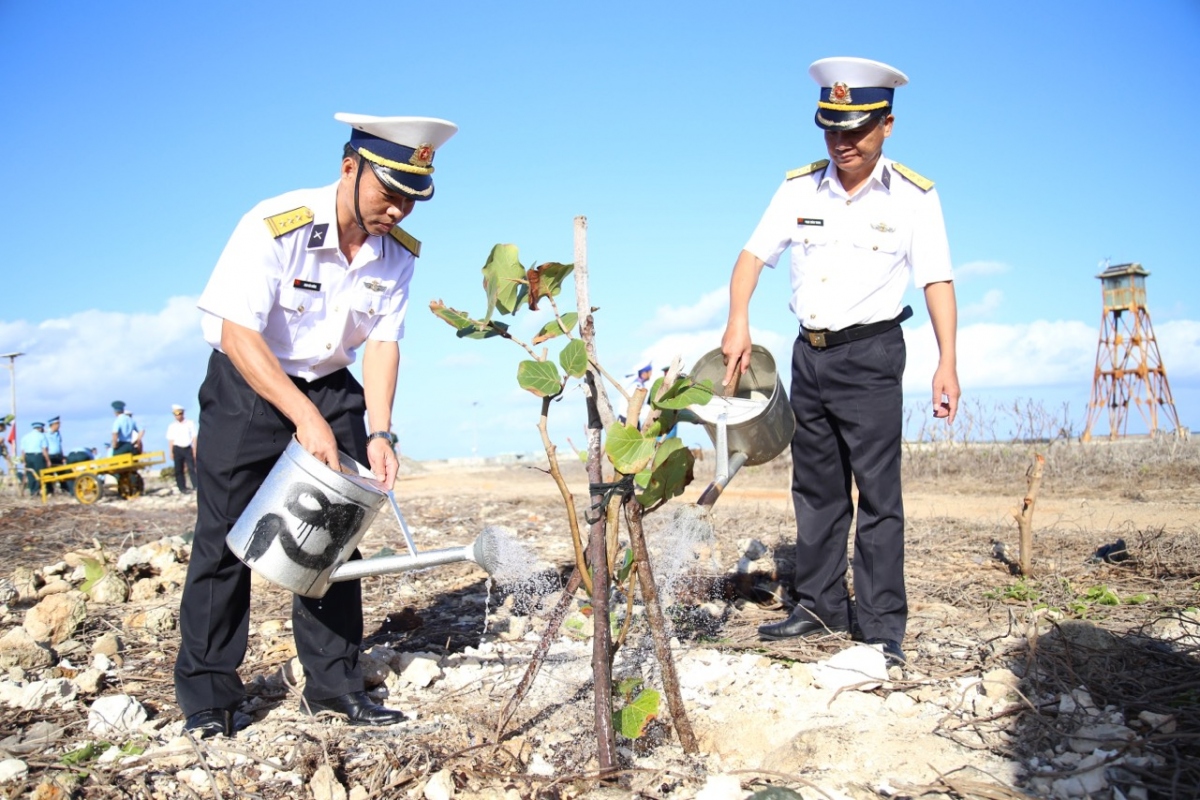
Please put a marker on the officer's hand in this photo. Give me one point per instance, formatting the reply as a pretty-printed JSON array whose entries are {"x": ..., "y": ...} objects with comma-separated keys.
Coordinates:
[
  {"x": 735, "y": 347},
  {"x": 316, "y": 437},
  {"x": 382, "y": 460},
  {"x": 945, "y": 394}
]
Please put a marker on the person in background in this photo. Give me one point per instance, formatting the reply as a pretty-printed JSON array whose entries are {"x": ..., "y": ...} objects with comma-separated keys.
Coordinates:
[
  {"x": 306, "y": 279},
  {"x": 124, "y": 430},
  {"x": 37, "y": 457},
  {"x": 641, "y": 380},
  {"x": 181, "y": 434},
  {"x": 76, "y": 456},
  {"x": 54, "y": 447},
  {"x": 860, "y": 227}
]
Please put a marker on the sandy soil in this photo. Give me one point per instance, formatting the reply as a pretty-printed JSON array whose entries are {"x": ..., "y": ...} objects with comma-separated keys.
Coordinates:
[{"x": 760, "y": 717}]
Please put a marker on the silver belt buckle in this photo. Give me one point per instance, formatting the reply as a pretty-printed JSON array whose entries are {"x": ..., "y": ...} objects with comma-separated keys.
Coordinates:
[{"x": 816, "y": 338}]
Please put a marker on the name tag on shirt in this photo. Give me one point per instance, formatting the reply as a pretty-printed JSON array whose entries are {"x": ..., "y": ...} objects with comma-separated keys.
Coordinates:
[
  {"x": 816, "y": 223},
  {"x": 312, "y": 286}
]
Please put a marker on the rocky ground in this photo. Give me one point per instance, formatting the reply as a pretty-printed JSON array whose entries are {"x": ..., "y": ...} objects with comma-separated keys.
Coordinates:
[{"x": 1076, "y": 681}]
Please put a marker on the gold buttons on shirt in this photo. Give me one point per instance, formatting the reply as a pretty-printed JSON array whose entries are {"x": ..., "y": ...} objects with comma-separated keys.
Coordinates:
[
  {"x": 847, "y": 202},
  {"x": 300, "y": 308},
  {"x": 328, "y": 347},
  {"x": 370, "y": 311},
  {"x": 874, "y": 247}
]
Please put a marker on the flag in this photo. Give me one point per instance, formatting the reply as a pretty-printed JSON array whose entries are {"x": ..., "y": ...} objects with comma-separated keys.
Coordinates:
[{"x": 12, "y": 433}]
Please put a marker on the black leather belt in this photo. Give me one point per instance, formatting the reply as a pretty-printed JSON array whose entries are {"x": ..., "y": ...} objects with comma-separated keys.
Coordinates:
[{"x": 823, "y": 338}]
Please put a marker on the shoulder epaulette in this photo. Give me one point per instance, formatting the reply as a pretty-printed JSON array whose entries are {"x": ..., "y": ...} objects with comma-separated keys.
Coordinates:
[
  {"x": 916, "y": 178},
  {"x": 407, "y": 240},
  {"x": 289, "y": 221},
  {"x": 808, "y": 170}
]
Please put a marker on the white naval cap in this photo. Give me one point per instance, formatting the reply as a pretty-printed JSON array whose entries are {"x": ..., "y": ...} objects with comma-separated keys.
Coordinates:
[
  {"x": 176, "y": 408},
  {"x": 400, "y": 150},
  {"x": 853, "y": 91}
]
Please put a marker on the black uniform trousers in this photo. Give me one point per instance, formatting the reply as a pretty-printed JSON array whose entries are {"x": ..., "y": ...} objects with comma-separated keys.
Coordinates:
[
  {"x": 244, "y": 436},
  {"x": 34, "y": 463},
  {"x": 848, "y": 403},
  {"x": 183, "y": 457},
  {"x": 56, "y": 460}
]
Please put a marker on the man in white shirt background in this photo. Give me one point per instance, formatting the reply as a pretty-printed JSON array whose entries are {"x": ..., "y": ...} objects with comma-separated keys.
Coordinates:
[{"x": 181, "y": 434}]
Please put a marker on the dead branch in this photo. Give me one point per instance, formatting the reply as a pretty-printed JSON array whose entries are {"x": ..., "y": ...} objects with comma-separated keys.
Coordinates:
[{"x": 1024, "y": 516}]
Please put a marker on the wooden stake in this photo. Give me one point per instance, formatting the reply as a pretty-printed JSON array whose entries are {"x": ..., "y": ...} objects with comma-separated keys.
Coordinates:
[{"x": 1024, "y": 515}]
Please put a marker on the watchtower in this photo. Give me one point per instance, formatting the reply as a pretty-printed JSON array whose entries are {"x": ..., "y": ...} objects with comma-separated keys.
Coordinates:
[{"x": 1128, "y": 366}]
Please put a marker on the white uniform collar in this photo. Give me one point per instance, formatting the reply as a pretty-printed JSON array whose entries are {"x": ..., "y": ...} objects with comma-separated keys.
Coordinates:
[
  {"x": 323, "y": 233},
  {"x": 881, "y": 177}
]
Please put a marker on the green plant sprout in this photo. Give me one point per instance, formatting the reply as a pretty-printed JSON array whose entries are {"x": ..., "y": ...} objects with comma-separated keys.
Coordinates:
[{"x": 646, "y": 466}]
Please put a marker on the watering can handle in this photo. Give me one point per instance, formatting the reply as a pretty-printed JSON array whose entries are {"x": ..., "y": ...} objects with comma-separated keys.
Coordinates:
[
  {"x": 730, "y": 389},
  {"x": 408, "y": 540}
]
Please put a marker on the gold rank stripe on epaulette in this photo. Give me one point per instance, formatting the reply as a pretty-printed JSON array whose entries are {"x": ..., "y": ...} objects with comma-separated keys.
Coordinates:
[
  {"x": 916, "y": 178},
  {"x": 808, "y": 170},
  {"x": 289, "y": 221},
  {"x": 407, "y": 240}
]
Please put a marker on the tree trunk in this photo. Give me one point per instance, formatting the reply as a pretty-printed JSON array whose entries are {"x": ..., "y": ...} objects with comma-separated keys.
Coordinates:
[
  {"x": 658, "y": 630},
  {"x": 1024, "y": 516},
  {"x": 606, "y": 739}
]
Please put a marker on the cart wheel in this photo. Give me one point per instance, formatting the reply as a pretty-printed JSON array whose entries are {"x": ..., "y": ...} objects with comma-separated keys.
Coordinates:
[
  {"x": 130, "y": 485},
  {"x": 88, "y": 489}
]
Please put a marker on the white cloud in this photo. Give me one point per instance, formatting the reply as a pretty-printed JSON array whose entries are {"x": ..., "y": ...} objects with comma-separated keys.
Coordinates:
[
  {"x": 75, "y": 366},
  {"x": 709, "y": 309},
  {"x": 994, "y": 356},
  {"x": 974, "y": 269},
  {"x": 992, "y": 300},
  {"x": 1179, "y": 346}
]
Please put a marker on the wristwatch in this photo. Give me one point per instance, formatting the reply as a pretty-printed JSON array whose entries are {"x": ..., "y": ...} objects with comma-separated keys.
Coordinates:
[{"x": 382, "y": 435}]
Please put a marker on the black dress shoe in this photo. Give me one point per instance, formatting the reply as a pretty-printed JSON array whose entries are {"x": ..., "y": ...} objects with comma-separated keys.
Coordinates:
[
  {"x": 357, "y": 708},
  {"x": 210, "y": 722},
  {"x": 800, "y": 622},
  {"x": 892, "y": 653}
]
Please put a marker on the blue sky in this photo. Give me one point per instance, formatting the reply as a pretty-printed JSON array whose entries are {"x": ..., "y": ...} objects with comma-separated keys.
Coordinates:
[{"x": 138, "y": 133}]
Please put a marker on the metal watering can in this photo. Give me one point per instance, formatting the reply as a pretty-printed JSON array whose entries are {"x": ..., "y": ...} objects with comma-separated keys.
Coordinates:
[
  {"x": 306, "y": 519},
  {"x": 750, "y": 422}
]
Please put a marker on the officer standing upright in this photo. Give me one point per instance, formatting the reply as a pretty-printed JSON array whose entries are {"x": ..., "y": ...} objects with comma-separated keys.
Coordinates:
[
  {"x": 124, "y": 430},
  {"x": 859, "y": 226},
  {"x": 181, "y": 435},
  {"x": 54, "y": 447},
  {"x": 306, "y": 279},
  {"x": 35, "y": 446}
]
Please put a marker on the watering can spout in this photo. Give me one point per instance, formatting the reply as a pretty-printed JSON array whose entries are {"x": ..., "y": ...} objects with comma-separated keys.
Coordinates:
[
  {"x": 750, "y": 426},
  {"x": 484, "y": 551}
]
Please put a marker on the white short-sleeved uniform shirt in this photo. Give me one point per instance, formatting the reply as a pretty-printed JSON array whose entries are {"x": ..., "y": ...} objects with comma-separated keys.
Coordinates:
[
  {"x": 852, "y": 257},
  {"x": 296, "y": 289},
  {"x": 181, "y": 433}
]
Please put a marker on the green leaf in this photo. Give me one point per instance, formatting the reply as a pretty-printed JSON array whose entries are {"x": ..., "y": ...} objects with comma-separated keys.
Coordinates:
[
  {"x": 626, "y": 565},
  {"x": 673, "y": 465},
  {"x": 455, "y": 318},
  {"x": 486, "y": 331},
  {"x": 552, "y": 328},
  {"x": 683, "y": 393},
  {"x": 574, "y": 359},
  {"x": 539, "y": 377},
  {"x": 93, "y": 571},
  {"x": 502, "y": 277},
  {"x": 84, "y": 754},
  {"x": 629, "y": 450},
  {"x": 627, "y": 686},
  {"x": 553, "y": 274},
  {"x": 631, "y": 721}
]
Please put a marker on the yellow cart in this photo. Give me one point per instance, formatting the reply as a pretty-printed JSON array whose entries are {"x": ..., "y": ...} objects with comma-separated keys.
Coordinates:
[{"x": 88, "y": 475}]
